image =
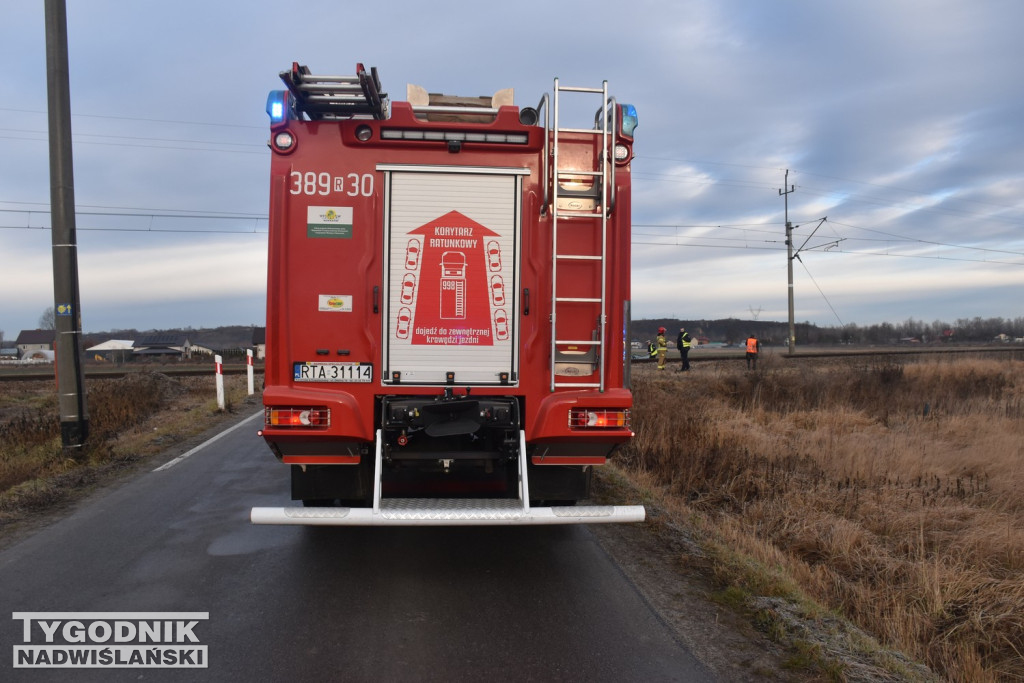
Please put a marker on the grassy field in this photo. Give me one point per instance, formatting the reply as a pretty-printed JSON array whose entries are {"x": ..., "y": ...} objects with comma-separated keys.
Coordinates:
[
  {"x": 130, "y": 418},
  {"x": 888, "y": 491}
]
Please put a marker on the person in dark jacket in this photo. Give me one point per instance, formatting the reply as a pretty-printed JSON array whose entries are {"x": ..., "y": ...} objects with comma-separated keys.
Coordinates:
[{"x": 683, "y": 343}]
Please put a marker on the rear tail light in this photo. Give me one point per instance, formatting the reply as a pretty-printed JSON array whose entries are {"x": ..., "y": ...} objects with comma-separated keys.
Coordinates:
[
  {"x": 298, "y": 417},
  {"x": 283, "y": 141},
  {"x": 599, "y": 418}
]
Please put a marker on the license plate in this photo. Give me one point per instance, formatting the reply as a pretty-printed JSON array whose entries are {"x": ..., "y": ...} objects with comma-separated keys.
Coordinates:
[{"x": 333, "y": 372}]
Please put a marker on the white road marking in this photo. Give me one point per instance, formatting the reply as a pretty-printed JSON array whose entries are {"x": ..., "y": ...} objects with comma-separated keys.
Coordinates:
[{"x": 172, "y": 463}]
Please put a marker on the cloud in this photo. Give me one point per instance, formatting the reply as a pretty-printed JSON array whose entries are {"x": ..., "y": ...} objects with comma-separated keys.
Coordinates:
[
  {"x": 128, "y": 281},
  {"x": 209, "y": 269},
  {"x": 897, "y": 120}
]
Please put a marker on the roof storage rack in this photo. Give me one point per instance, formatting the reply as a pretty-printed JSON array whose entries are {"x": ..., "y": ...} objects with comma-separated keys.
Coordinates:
[{"x": 328, "y": 98}]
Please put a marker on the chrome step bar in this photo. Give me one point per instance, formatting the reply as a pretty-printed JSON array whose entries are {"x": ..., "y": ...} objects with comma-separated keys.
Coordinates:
[
  {"x": 438, "y": 513},
  {"x": 449, "y": 511}
]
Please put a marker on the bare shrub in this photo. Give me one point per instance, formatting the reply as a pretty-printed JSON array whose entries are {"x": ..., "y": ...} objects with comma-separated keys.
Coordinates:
[{"x": 30, "y": 445}]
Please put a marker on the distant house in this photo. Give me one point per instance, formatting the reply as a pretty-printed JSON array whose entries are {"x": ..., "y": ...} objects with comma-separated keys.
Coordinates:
[
  {"x": 199, "y": 348},
  {"x": 31, "y": 341},
  {"x": 259, "y": 342},
  {"x": 163, "y": 347},
  {"x": 113, "y": 350}
]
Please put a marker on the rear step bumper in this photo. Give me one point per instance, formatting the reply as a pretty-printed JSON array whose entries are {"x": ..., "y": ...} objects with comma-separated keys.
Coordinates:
[{"x": 450, "y": 511}]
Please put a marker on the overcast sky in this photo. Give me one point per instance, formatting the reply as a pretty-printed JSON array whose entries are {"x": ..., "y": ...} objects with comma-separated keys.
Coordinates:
[{"x": 901, "y": 121}]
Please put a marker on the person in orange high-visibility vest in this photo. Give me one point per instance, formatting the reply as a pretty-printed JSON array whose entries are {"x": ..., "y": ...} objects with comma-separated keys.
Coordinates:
[
  {"x": 753, "y": 346},
  {"x": 662, "y": 348}
]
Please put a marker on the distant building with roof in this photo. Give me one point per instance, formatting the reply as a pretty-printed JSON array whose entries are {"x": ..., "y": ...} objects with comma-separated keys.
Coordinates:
[
  {"x": 259, "y": 342},
  {"x": 162, "y": 346},
  {"x": 113, "y": 350},
  {"x": 31, "y": 341}
]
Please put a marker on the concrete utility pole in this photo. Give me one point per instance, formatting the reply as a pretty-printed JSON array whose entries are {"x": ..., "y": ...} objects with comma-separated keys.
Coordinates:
[
  {"x": 74, "y": 417},
  {"x": 789, "y": 259}
]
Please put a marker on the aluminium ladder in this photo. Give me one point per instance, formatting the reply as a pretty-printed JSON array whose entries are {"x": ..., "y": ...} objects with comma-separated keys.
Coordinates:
[
  {"x": 329, "y": 98},
  {"x": 582, "y": 209}
]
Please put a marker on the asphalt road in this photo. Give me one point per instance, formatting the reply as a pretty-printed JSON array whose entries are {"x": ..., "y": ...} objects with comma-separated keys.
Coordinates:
[{"x": 333, "y": 604}]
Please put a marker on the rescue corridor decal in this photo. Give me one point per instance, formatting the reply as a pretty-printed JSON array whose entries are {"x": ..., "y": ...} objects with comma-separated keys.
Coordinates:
[{"x": 452, "y": 291}]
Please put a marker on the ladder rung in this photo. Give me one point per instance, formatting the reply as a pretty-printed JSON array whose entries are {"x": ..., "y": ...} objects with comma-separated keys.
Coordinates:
[
  {"x": 578, "y": 257},
  {"x": 308, "y": 79},
  {"x": 563, "y": 173},
  {"x": 576, "y": 300},
  {"x": 350, "y": 100},
  {"x": 563, "y": 214},
  {"x": 595, "y": 131},
  {"x": 576, "y": 88},
  {"x": 330, "y": 88},
  {"x": 593, "y": 385}
]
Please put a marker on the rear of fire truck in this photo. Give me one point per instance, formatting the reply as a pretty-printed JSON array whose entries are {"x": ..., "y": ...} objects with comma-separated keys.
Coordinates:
[{"x": 447, "y": 304}]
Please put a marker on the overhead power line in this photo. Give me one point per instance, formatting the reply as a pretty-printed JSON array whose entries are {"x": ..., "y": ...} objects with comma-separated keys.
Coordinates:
[
  {"x": 929, "y": 242},
  {"x": 118, "y": 210},
  {"x": 212, "y": 146},
  {"x": 159, "y": 231},
  {"x": 154, "y": 213},
  {"x": 681, "y": 239},
  {"x": 138, "y": 118},
  {"x": 891, "y": 236},
  {"x": 137, "y": 138},
  {"x": 152, "y": 219}
]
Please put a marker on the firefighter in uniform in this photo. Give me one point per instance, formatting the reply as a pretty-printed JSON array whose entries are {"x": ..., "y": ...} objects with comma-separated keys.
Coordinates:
[
  {"x": 753, "y": 346},
  {"x": 662, "y": 348},
  {"x": 683, "y": 342}
]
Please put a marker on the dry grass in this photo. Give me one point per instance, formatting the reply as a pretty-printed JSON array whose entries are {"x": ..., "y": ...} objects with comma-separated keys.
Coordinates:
[
  {"x": 891, "y": 493},
  {"x": 129, "y": 418}
]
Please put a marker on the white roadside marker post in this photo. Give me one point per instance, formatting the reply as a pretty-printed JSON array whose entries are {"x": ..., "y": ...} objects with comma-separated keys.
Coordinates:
[
  {"x": 220, "y": 382},
  {"x": 249, "y": 370}
]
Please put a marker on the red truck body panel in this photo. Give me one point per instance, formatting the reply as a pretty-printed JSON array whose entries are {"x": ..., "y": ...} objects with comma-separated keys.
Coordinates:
[{"x": 412, "y": 260}]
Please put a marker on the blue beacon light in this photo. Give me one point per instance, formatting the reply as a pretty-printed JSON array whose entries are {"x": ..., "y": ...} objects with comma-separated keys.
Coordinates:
[
  {"x": 276, "y": 105},
  {"x": 629, "y": 119}
]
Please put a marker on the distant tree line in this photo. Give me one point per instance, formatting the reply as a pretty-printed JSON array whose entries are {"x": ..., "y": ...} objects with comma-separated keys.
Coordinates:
[
  {"x": 224, "y": 338},
  {"x": 734, "y": 330}
]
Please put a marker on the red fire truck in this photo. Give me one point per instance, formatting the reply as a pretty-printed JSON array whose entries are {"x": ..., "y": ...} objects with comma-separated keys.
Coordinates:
[{"x": 447, "y": 303}]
